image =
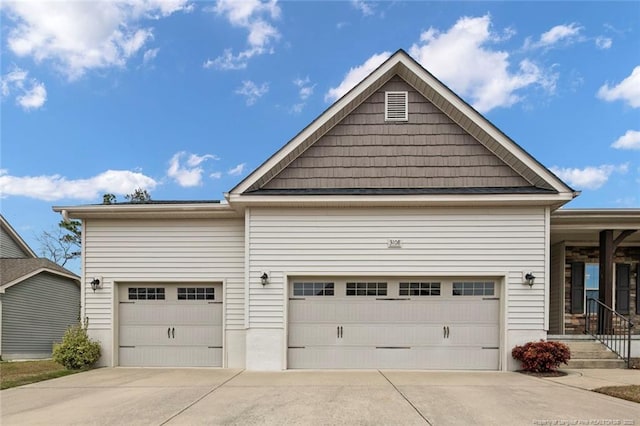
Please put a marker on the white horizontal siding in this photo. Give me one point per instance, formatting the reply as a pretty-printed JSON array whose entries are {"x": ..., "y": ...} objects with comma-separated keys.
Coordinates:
[
  {"x": 438, "y": 241},
  {"x": 164, "y": 251}
]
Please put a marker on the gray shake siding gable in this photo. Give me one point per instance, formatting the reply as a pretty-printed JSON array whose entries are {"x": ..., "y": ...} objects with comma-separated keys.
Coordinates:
[{"x": 428, "y": 151}]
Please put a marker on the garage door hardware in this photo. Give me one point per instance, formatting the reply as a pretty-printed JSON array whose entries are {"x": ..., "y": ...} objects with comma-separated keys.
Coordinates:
[
  {"x": 392, "y": 298},
  {"x": 127, "y": 347},
  {"x": 340, "y": 331},
  {"x": 296, "y": 347},
  {"x": 214, "y": 347},
  {"x": 297, "y": 298},
  {"x": 490, "y": 298},
  {"x": 445, "y": 330},
  {"x": 393, "y": 347},
  {"x": 490, "y": 347},
  {"x": 171, "y": 333}
]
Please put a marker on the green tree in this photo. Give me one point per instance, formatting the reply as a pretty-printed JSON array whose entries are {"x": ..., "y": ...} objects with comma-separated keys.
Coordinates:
[
  {"x": 139, "y": 195},
  {"x": 108, "y": 198},
  {"x": 63, "y": 243}
]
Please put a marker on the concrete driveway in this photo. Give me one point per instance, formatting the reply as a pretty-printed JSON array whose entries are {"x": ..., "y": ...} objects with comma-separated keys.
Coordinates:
[{"x": 128, "y": 396}]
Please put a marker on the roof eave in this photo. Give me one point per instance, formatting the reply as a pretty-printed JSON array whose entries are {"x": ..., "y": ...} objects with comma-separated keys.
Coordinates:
[
  {"x": 123, "y": 211},
  {"x": 431, "y": 200}
]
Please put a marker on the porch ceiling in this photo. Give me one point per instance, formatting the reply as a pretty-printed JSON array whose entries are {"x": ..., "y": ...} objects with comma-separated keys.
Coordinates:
[{"x": 584, "y": 225}]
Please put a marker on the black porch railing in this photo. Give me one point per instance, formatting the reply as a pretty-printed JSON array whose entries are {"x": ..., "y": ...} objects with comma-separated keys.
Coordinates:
[{"x": 610, "y": 328}]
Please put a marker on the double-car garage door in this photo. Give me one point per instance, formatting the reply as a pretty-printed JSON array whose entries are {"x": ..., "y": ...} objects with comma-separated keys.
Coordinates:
[
  {"x": 404, "y": 324},
  {"x": 176, "y": 325}
]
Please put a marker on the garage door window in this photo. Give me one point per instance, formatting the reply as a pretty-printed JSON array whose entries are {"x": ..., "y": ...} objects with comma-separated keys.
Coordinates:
[
  {"x": 419, "y": 289},
  {"x": 366, "y": 289},
  {"x": 313, "y": 289},
  {"x": 146, "y": 293},
  {"x": 196, "y": 293},
  {"x": 485, "y": 288}
]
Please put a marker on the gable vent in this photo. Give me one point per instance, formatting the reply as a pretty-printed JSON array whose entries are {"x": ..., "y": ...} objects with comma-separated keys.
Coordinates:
[{"x": 396, "y": 106}]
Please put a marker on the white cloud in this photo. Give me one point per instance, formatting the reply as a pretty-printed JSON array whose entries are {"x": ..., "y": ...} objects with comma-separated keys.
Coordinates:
[
  {"x": 187, "y": 173},
  {"x": 630, "y": 140},
  {"x": 462, "y": 58},
  {"x": 254, "y": 16},
  {"x": 150, "y": 55},
  {"x": 215, "y": 175},
  {"x": 252, "y": 91},
  {"x": 56, "y": 187},
  {"x": 558, "y": 35},
  {"x": 603, "y": 42},
  {"x": 355, "y": 75},
  {"x": 366, "y": 8},
  {"x": 237, "y": 170},
  {"x": 305, "y": 90},
  {"x": 30, "y": 93},
  {"x": 305, "y": 86},
  {"x": 80, "y": 36},
  {"x": 592, "y": 177},
  {"x": 627, "y": 90}
]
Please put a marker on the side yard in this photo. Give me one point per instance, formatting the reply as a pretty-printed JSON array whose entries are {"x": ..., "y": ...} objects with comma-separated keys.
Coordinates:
[{"x": 18, "y": 373}]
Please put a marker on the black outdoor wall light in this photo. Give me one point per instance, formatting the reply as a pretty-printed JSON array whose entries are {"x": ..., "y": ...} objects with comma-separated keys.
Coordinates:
[
  {"x": 529, "y": 278},
  {"x": 264, "y": 278},
  {"x": 96, "y": 283}
]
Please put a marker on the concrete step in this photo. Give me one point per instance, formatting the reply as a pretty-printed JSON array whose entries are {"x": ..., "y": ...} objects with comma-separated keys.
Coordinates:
[
  {"x": 599, "y": 354},
  {"x": 589, "y": 353},
  {"x": 595, "y": 363}
]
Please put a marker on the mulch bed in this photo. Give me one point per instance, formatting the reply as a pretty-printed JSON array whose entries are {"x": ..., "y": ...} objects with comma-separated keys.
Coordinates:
[{"x": 546, "y": 374}]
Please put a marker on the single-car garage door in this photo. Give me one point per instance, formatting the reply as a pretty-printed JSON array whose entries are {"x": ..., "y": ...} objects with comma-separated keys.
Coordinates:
[
  {"x": 170, "y": 325},
  {"x": 410, "y": 324}
]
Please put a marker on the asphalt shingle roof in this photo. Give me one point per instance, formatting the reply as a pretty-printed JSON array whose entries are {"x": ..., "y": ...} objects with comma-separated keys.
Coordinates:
[{"x": 12, "y": 269}]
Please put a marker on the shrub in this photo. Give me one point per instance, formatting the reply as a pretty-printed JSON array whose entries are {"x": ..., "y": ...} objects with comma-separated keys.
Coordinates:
[
  {"x": 77, "y": 350},
  {"x": 542, "y": 357}
]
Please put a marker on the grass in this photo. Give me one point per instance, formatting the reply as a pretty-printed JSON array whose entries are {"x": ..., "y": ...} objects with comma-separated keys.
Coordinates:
[
  {"x": 18, "y": 373},
  {"x": 630, "y": 393}
]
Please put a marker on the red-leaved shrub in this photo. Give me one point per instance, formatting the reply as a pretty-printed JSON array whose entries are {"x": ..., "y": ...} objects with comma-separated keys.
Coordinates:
[{"x": 542, "y": 357}]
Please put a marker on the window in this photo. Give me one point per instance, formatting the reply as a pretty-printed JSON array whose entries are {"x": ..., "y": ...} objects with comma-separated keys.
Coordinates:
[
  {"x": 146, "y": 293},
  {"x": 366, "y": 289},
  {"x": 481, "y": 288},
  {"x": 313, "y": 289},
  {"x": 196, "y": 293},
  {"x": 396, "y": 106},
  {"x": 591, "y": 281},
  {"x": 419, "y": 289}
]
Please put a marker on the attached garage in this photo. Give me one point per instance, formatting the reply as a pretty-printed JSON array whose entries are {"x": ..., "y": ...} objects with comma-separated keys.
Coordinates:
[
  {"x": 170, "y": 325},
  {"x": 395, "y": 324}
]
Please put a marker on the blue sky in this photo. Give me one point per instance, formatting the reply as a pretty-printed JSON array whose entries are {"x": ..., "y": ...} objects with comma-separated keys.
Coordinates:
[{"x": 185, "y": 98}]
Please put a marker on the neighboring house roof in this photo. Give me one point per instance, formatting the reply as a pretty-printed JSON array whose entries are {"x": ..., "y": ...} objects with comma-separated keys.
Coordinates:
[
  {"x": 16, "y": 237},
  {"x": 14, "y": 271},
  {"x": 522, "y": 173}
]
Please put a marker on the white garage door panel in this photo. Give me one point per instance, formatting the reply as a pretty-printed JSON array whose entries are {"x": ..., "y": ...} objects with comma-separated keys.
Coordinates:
[
  {"x": 425, "y": 358},
  {"x": 162, "y": 356},
  {"x": 443, "y": 331},
  {"x": 170, "y": 331},
  {"x": 184, "y": 313},
  {"x": 162, "y": 335}
]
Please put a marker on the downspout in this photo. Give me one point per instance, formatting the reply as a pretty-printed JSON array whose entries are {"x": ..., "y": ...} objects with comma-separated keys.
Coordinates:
[{"x": 547, "y": 266}]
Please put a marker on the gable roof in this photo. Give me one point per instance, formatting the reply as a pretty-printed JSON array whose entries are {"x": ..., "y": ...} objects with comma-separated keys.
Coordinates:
[
  {"x": 15, "y": 271},
  {"x": 16, "y": 237},
  {"x": 463, "y": 115}
]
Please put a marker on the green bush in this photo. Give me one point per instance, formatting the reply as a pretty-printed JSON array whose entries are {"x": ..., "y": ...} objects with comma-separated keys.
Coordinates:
[
  {"x": 542, "y": 357},
  {"x": 77, "y": 350}
]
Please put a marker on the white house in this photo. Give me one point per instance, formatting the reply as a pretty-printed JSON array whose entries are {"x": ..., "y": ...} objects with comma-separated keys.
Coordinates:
[{"x": 400, "y": 229}]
